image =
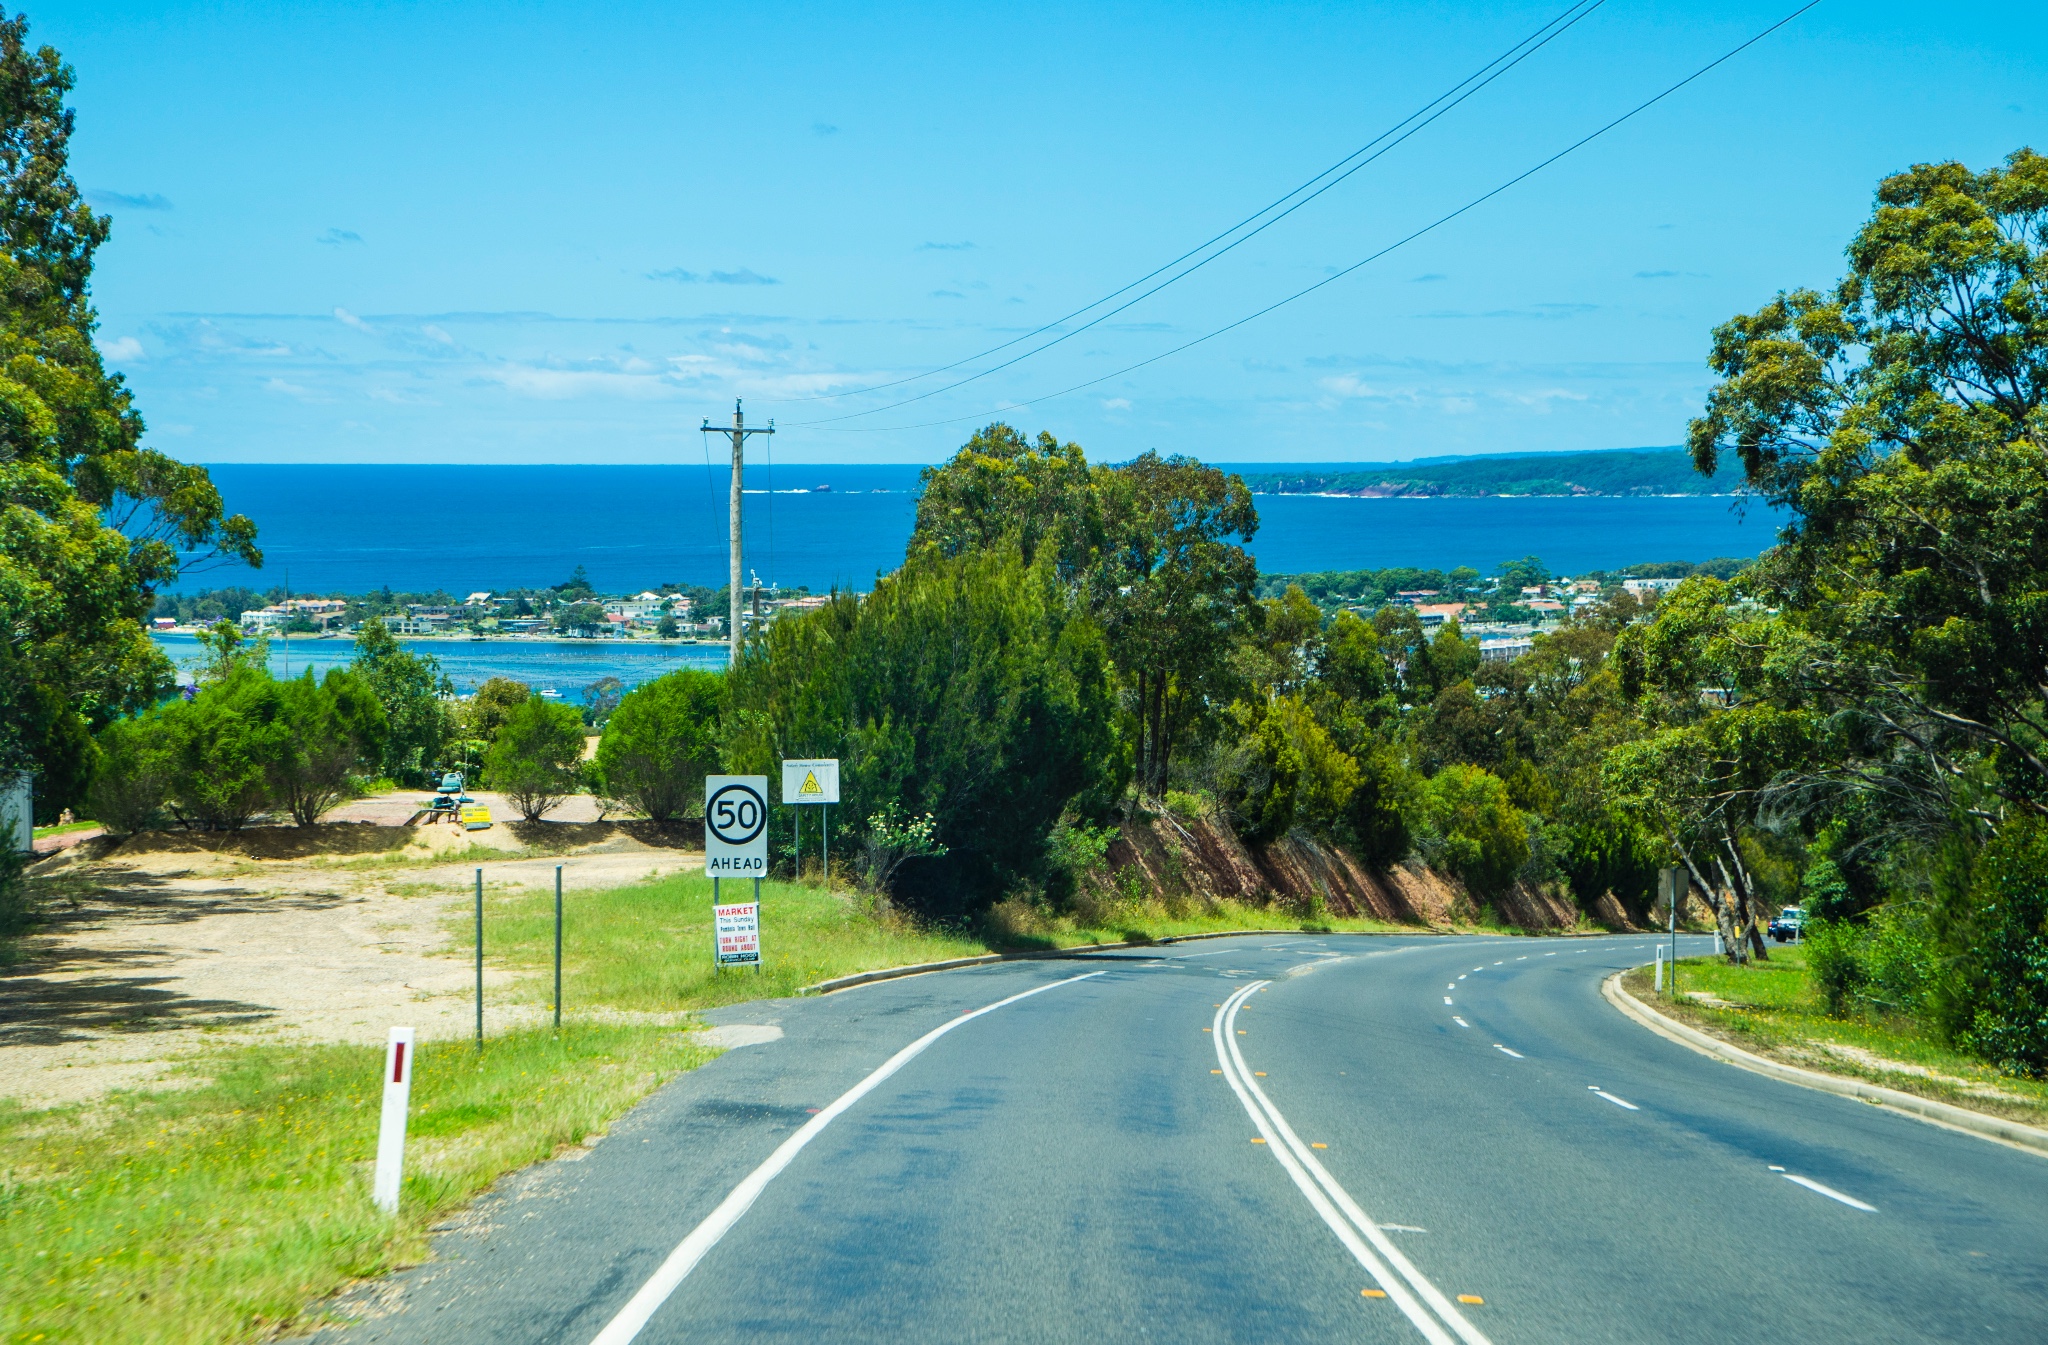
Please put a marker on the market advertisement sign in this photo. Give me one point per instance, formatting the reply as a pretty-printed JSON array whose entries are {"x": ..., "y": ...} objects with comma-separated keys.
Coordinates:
[
  {"x": 811, "y": 781},
  {"x": 738, "y": 931},
  {"x": 736, "y": 826}
]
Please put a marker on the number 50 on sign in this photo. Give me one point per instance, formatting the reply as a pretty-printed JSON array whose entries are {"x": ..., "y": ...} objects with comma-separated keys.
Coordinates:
[{"x": 736, "y": 826}]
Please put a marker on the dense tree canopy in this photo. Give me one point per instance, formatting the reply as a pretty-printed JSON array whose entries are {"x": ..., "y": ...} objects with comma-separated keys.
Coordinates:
[{"x": 91, "y": 522}]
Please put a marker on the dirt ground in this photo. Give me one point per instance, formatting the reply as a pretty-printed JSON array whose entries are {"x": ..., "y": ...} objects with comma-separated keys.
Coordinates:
[{"x": 169, "y": 944}]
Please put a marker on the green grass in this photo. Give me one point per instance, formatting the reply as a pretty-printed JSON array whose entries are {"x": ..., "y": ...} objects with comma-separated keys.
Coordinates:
[
  {"x": 1773, "y": 1010},
  {"x": 647, "y": 947},
  {"x": 219, "y": 1212},
  {"x": 41, "y": 832}
]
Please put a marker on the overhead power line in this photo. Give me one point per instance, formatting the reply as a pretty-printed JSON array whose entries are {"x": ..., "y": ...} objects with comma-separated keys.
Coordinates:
[
  {"x": 1402, "y": 242},
  {"x": 1345, "y": 167}
]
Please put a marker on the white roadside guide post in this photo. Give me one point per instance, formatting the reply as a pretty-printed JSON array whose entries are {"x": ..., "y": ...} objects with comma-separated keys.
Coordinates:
[
  {"x": 736, "y": 846},
  {"x": 813, "y": 781},
  {"x": 398, "y": 1061}
]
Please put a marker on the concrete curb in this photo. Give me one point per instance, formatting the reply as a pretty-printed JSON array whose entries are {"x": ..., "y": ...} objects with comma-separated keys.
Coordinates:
[
  {"x": 1078, "y": 950},
  {"x": 1946, "y": 1115}
]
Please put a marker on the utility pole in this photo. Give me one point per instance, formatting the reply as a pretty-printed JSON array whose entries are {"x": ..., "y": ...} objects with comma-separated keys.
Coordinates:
[{"x": 738, "y": 434}]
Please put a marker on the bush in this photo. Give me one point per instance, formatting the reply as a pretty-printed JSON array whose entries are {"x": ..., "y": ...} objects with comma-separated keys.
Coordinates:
[
  {"x": 2009, "y": 961},
  {"x": 332, "y": 730},
  {"x": 1289, "y": 772},
  {"x": 536, "y": 761},
  {"x": 1376, "y": 820},
  {"x": 661, "y": 742},
  {"x": 1834, "y": 964},
  {"x": 223, "y": 749},
  {"x": 972, "y": 689},
  {"x": 1472, "y": 829},
  {"x": 409, "y": 686},
  {"x": 17, "y": 909},
  {"x": 132, "y": 779}
]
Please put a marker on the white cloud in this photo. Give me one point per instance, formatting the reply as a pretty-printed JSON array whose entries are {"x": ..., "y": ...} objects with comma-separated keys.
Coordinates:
[
  {"x": 1117, "y": 404},
  {"x": 435, "y": 333},
  {"x": 123, "y": 348},
  {"x": 282, "y": 388},
  {"x": 348, "y": 319}
]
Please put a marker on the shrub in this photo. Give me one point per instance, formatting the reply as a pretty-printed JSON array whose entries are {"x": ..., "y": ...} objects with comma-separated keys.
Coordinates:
[
  {"x": 972, "y": 689},
  {"x": 1473, "y": 829},
  {"x": 1376, "y": 820},
  {"x": 1834, "y": 964},
  {"x": 223, "y": 748},
  {"x": 1290, "y": 772},
  {"x": 332, "y": 729},
  {"x": 537, "y": 758},
  {"x": 2010, "y": 959},
  {"x": 661, "y": 742},
  {"x": 132, "y": 778},
  {"x": 891, "y": 839}
]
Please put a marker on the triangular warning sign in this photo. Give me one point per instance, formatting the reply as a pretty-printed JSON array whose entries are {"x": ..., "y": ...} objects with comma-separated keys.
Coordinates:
[{"x": 810, "y": 785}]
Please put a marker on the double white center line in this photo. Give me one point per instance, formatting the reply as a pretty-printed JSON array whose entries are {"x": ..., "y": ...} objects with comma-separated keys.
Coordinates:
[{"x": 1410, "y": 1290}]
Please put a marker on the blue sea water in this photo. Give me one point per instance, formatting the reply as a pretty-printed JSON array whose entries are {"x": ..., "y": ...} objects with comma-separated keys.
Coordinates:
[
  {"x": 567, "y": 666},
  {"x": 417, "y": 527}
]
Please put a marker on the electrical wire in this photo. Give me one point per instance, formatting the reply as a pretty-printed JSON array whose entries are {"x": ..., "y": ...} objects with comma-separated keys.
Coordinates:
[
  {"x": 1570, "y": 16},
  {"x": 1433, "y": 225}
]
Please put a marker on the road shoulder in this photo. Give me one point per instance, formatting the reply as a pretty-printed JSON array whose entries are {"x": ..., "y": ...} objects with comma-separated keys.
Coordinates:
[{"x": 2020, "y": 1136}]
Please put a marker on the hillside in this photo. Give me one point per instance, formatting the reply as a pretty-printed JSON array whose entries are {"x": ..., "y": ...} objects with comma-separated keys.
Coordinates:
[{"x": 1633, "y": 471}]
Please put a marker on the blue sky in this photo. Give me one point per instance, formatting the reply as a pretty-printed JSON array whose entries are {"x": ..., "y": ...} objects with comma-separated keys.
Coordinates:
[{"x": 570, "y": 232}]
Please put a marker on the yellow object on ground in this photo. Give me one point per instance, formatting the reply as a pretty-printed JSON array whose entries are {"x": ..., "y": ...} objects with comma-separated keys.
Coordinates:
[{"x": 475, "y": 817}]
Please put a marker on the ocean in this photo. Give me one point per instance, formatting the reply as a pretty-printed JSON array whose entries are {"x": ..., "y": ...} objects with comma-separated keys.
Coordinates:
[{"x": 336, "y": 528}]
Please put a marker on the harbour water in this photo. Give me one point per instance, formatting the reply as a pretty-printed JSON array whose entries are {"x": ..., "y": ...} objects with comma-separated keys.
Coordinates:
[{"x": 354, "y": 528}]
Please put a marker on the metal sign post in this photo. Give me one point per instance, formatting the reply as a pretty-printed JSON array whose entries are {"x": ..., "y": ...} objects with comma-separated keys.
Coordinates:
[
  {"x": 814, "y": 780},
  {"x": 558, "y": 947},
  {"x": 736, "y": 846},
  {"x": 479, "y": 960},
  {"x": 1673, "y": 884}
]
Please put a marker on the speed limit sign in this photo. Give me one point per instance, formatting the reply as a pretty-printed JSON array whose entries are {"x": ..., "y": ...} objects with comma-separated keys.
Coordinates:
[{"x": 736, "y": 826}]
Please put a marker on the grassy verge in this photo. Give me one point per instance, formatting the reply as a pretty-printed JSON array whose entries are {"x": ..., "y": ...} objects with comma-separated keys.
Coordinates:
[
  {"x": 1769, "y": 1008},
  {"x": 65, "y": 830},
  {"x": 647, "y": 947},
  {"x": 218, "y": 1212}
]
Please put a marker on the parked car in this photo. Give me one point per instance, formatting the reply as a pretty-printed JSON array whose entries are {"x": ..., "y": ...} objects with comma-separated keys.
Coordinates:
[{"x": 1788, "y": 924}]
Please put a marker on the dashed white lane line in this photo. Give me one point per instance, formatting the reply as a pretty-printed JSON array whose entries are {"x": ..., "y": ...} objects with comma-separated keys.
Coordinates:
[
  {"x": 1505, "y": 1051},
  {"x": 1617, "y": 1101},
  {"x": 1447, "y": 999},
  {"x": 692, "y": 1249},
  {"x": 1459, "y": 1021},
  {"x": 1830, "y": 1192},
  {"x": 1417, "y": 1297}
]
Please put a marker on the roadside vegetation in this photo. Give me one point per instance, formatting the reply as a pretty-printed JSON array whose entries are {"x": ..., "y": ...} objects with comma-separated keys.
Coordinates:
[
  {"x": 1777, "y": 1010},
  {"x": 219, "y": 1212},
  {"x": 646, "y": 947}
]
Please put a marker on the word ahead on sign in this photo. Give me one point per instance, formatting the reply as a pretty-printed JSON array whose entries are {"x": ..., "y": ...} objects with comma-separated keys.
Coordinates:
[
  {"x": 736, "y": 826},
  {"x": 810, "y": 781}
]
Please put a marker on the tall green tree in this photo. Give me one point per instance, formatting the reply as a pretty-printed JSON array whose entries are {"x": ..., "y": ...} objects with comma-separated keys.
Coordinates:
[
  {"x": 1900, "y": 418},
  {"x": 537, "y": 758},
  {"x": 412, "y": 691},
  {"x": 661, "y": 742},
  {"x": 91, "y": 522},
  {"x": 976, "y": 689}
]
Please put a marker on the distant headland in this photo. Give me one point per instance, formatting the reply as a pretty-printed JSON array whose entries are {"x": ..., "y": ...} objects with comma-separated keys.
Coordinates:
[{"x": 1620, "y": 471}]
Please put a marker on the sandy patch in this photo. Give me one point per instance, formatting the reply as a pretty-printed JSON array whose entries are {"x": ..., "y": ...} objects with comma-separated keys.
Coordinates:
[{"x": 176, "y": 944}]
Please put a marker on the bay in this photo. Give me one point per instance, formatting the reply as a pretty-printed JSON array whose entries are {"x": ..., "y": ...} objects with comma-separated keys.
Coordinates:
[
  {"x": 417, "y": 527},
  {"x": 567, "y": 666}
]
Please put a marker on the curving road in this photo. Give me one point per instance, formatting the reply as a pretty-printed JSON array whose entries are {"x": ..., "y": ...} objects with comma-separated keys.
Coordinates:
[{"x": 1258, "y": 1139}]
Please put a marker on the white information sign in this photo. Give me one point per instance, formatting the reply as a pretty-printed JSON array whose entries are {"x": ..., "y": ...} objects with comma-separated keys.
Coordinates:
[
  {"x": 738, "y": 930},
  {"x": 811, "y": 781},
  {"x": 736, "y": 826}
]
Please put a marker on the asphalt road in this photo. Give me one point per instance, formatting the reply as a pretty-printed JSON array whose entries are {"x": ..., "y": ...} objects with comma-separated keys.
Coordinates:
[{"x": 1261, "y": 1139}]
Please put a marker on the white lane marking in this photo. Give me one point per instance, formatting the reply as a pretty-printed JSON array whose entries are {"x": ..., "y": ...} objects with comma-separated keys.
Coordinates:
[
  {"x": 1550, "y": 955},
  {"x": 1459, "y": 1021},
  {"x": 1830, "y": 1192},
  {"x": 1776, "y": 1168},
  {"x": 1523, "y": 958},
  {"x": 692, "y": 1249},
  {"x": 1500, "y": 964},
  {"x": 1462, "y": 977},
  {"x": 1453, "y": 985},
  {"x": 1447, "y": 999},
  {"x": 1302, "y": 1164},
  {"x": 1617, "y": 1101},
  {"x": 1403, "y": 1228},
  {"x": 1504, "y": 1050}
]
